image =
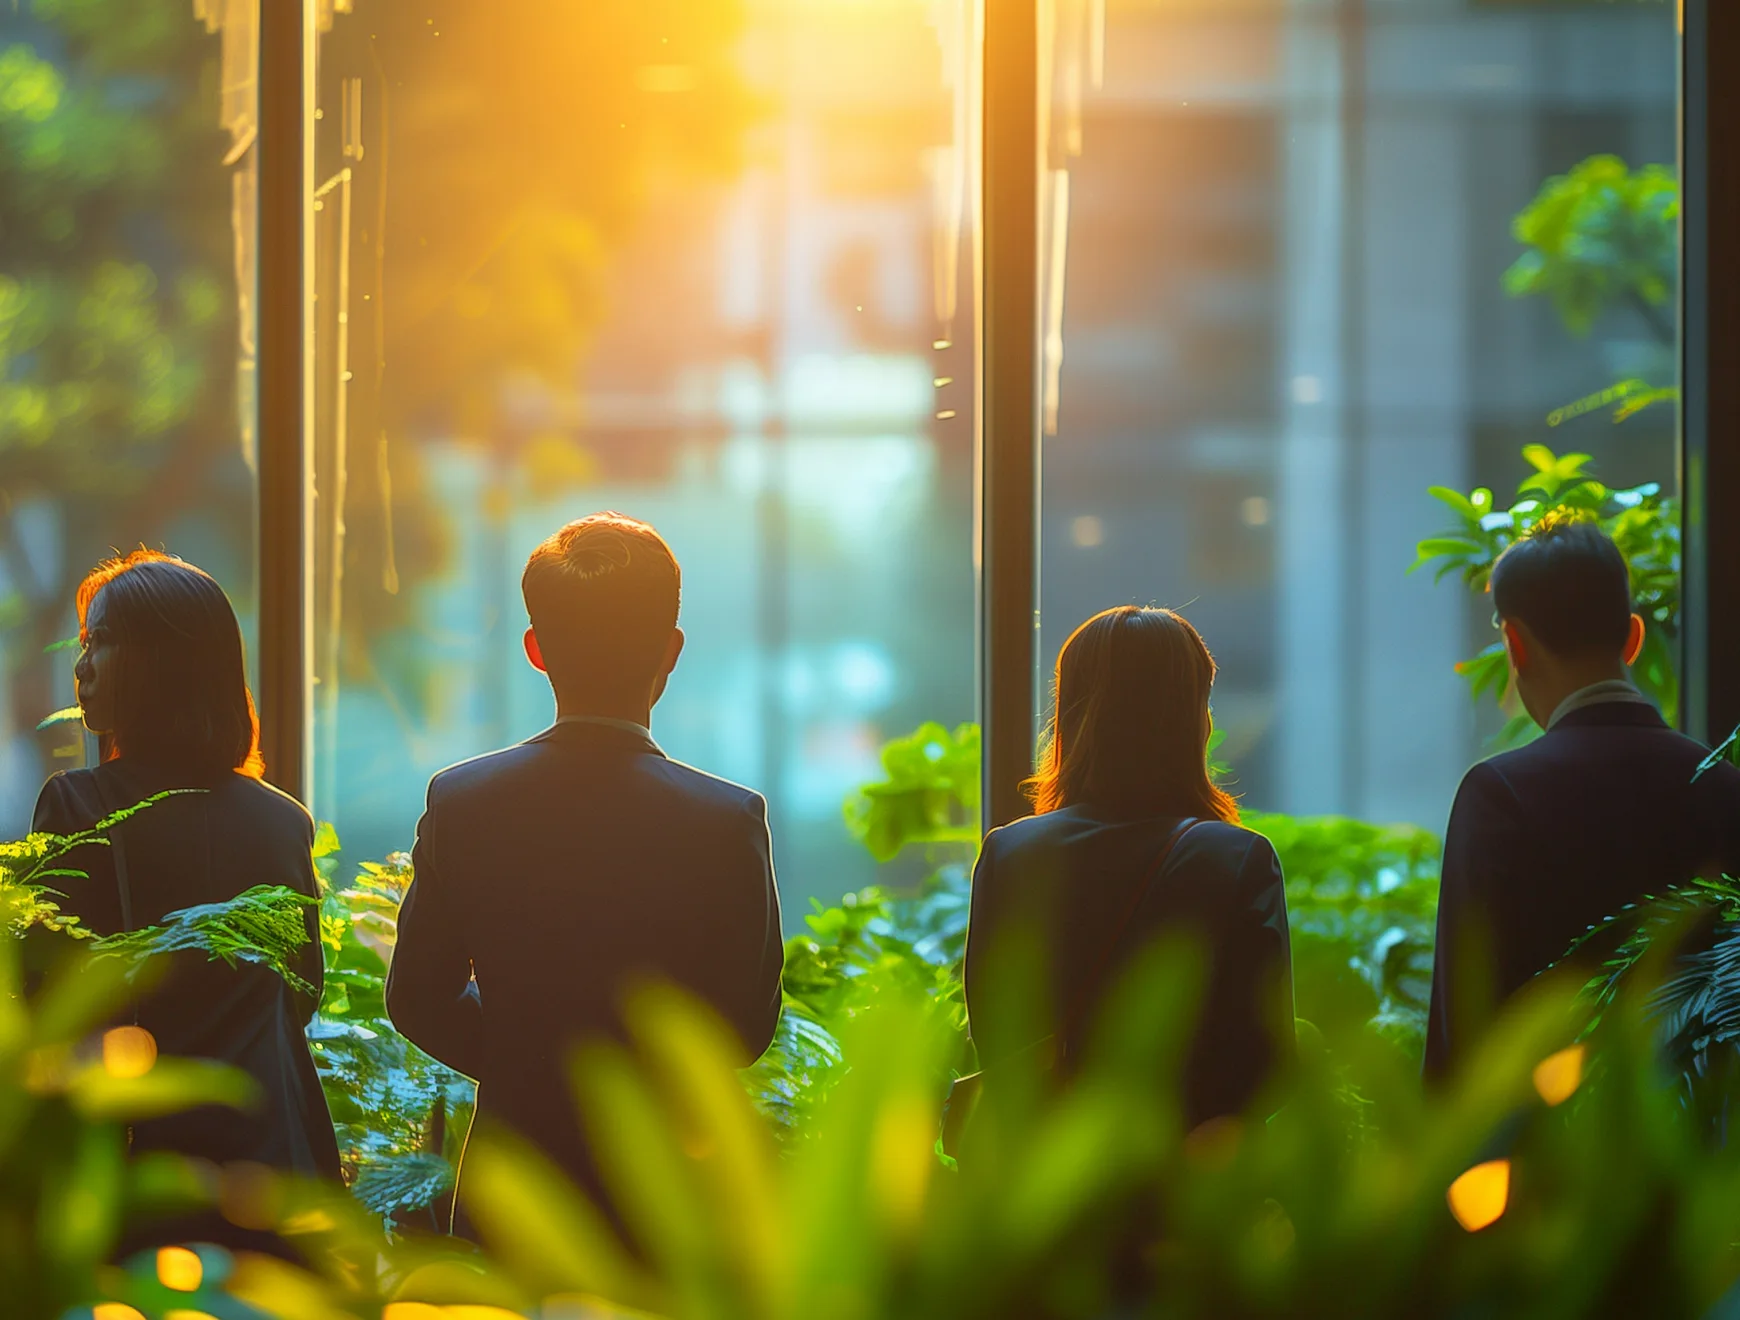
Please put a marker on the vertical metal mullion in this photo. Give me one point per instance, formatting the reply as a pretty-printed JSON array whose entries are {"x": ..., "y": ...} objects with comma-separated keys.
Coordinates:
[
  {"x": 1009, "y": 415},
  {"x": 1710, "y": 367},
  {"x": 286, "y": 389}
]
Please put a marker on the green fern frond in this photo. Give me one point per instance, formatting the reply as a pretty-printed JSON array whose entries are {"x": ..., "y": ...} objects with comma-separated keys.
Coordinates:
[
  {"x": 27, "y": 865},
  {"x": 263, "y": 925},
  {"x": 395, "y": 1184}
]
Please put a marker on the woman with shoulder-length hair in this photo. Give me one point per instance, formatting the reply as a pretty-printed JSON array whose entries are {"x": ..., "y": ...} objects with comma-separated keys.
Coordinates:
[
  {"x": 163, "y": 684},
  {"x": 1132, "y": 842}
]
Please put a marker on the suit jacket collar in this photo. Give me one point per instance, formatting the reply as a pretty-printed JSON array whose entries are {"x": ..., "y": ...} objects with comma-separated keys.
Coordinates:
[
  {"x": 615, "y": 736},
  {"x": 1612, "y": 715}
]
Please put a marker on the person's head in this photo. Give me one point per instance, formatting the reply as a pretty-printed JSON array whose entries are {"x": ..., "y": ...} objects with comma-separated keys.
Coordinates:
[
  {"x": 1131, "y": 724},
  {"x": 602, "y": 595},
  {"x": 161, "y": 674},
  {"x": 1562, "y": 596}
]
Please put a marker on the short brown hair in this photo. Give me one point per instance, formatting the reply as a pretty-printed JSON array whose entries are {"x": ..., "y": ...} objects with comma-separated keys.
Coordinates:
[
  {"x": 1568, "y": 582},
  {"x": 603, "y": 595}
]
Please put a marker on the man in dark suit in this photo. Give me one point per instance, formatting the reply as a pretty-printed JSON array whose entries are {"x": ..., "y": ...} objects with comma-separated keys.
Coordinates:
[
  {"x": 1607, "y": 806},
  {"x": 556, "y": 875}
]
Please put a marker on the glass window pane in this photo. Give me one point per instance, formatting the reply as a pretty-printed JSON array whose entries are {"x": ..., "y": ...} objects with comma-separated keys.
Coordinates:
[
  {"x": 705, "y": 264},
  {"x": 1297, "y": 294},
  {"x": 126, "y": 272}
]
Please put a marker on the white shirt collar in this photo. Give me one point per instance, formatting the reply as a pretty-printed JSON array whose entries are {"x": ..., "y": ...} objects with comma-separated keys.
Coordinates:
[{"x": 1598, "y": 694}]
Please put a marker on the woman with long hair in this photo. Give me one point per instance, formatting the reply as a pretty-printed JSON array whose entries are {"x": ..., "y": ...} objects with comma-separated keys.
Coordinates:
[
  {"x": 1133, "y": 842},
  {"x": 163, "y": 684}
]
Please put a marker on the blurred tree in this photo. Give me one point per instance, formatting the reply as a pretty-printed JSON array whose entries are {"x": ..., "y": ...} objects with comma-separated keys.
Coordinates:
[
  {"x": 1599, "y": 237},
  {"x": 1604, "y": 238},
  {"x": 117, "y": 320}
]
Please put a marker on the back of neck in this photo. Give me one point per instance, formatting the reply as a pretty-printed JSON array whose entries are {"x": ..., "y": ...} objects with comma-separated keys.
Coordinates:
[{"x": 628, "y": 714}]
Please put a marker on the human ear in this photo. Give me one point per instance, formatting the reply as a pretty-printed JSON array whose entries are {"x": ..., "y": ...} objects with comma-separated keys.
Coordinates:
[
  {"x": 673, "y": 649},
  {"x": 1634, "y": 640},
  {"x": 534, "y": 652},
  {"x": 1517, "y": 645}
]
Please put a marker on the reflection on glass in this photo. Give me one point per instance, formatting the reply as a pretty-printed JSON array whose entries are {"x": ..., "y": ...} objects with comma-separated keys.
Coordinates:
[
  {"x": 1289, "y": 224},
  {"x": 700, "y": 262},
  {"x": 126, "y": 240}
]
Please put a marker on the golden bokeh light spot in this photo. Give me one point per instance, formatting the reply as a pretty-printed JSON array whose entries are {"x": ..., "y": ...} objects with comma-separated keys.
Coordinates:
[
  {"x": 1480, "y": 1196},
  {"x": 184, "y": 1314},
  {"x": 115, "y": 1311},
  {"x": 1558, "y": 1076},
  {"x": 412, "y": 1311},
  {"x": 179, "y": 1269},
  {"x": 129, "y": 1052}
]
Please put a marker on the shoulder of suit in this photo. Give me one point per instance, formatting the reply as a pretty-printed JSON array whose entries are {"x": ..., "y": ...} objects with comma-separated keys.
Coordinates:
[
  {"x": 1025, "y": 829},
  {"x": 701, "y": 783},
  {"x": 75, "y": 787},
  {"x": 474, "y": 769},
  {"x": 70, "y": 781},
  {"x": 1229, "y": 834},
  {"x": 277, "y": 801}
]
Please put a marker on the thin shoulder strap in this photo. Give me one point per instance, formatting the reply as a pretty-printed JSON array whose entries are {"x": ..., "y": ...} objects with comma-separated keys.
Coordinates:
[
  {"x": 1090, "y": 987},
  {"x": 117, "y": 851}
]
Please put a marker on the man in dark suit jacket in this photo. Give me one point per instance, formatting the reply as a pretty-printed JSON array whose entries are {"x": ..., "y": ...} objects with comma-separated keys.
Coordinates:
[
  {"x": 1607, "y": 806},
  {"x": 554, "y": 876}
]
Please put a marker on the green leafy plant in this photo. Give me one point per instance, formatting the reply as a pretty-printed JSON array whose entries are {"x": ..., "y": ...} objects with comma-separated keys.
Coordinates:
[
  {"x": 930, "y": 794},
  {"x": 1599, "y": 238},
  {"x": 70, "y": 1191},
  {"x": 1642, "y": 521},
  {"x": 1679, "y": 953},
  {"x": 262, "y": 925},
  {"x": 1531, "y": 1188},
  {"x": 401, "y": 1116},
  {"x": 28, "y": 899},
  {"x": 875, "y": 943},
  {"x": 1362, "y": 907},
  {"x": 1602, "y": 236}
]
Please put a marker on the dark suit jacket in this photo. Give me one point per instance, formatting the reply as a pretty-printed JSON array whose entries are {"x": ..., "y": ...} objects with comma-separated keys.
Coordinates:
[
  {"x": 1552, "y": 838},
  {"x": 1070, "y": 875},
  {"x": 205, "y": 848},
  {"x": 560, "y": 872}
]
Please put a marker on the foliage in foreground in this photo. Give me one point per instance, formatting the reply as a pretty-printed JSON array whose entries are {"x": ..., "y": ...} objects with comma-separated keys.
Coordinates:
[
  {"x": 821, "y": 1193},
  {"x": 1536, "y": 1186}
]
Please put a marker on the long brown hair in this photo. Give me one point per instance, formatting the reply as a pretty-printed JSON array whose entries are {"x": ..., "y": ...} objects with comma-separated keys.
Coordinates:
[
  {"x": 182, "y": 682},
  {"x": 1131, "y": 724}
]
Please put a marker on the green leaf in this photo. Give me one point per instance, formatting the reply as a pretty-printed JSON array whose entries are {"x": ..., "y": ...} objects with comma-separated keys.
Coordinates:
[
  {"x": 263, "y": 925},
  {"x": 65, "y": 715},
  {"x": 325, "y": 840}
]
